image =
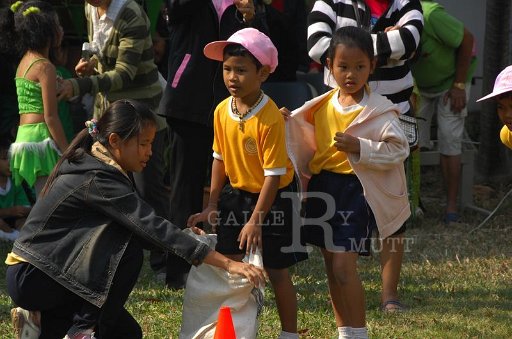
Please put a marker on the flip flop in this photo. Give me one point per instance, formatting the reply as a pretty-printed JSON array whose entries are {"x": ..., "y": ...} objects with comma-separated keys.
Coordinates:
[{"x": 393, "y": 306}]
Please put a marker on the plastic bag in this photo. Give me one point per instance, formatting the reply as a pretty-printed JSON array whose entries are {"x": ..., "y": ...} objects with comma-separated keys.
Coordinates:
[{"x": 208, "y": 288}]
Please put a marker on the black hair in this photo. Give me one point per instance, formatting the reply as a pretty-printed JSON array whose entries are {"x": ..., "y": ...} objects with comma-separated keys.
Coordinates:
[
  {"x": 351, "y": 36},
  {"x": 34, "y": 26},
  {"x": 126, "y": 118},
  {"x": 237, "y": 50},
  {"x": 8, "y": 47},
  {"x": 504, "y": 95},
  {"x": 5, "y": 142}
]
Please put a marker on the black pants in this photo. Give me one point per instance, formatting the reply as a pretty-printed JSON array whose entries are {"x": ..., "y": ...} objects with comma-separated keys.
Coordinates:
[
  {"x": 190, "y": 155},
  {"x": 150, "y": 185},
  {"x": 61, "y": 309}
]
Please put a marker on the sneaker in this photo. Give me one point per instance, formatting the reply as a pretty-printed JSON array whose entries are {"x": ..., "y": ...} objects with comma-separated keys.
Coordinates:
[{"x": 24, "y": 327}]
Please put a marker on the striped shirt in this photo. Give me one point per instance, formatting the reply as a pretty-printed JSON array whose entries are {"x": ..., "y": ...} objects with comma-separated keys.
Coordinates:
[
  {"x": 126, "y": 66},
  {"x": 392, "y": 77}
]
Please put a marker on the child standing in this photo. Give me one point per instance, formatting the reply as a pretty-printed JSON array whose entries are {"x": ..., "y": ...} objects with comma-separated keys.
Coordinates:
[
  {"x": 249, "y": 150},
  {"x": 14, "y": 203},
  {"x": 80, "y": 252},
  {"x": 502, "y": 93},
  {"x": 40, "y": 137},
  {"x": 357, "y": 176}
]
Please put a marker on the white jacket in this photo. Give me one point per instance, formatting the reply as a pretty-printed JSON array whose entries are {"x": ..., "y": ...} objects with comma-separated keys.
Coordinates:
[{"x": 379, "y": 166}]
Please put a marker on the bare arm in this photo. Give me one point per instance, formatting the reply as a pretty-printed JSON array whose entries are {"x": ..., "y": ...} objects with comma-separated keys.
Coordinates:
[
  {"x": 457, "y": 96},
  {"x": 48, "y": 81},
  {"x": 251, "y": 232}
]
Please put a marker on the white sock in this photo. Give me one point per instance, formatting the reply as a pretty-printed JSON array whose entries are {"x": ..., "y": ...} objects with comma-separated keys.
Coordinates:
[
  {"x": 360, "y": 333},
  {"x": 288, "y": 335},
  {"x": 345, "y": 332}
]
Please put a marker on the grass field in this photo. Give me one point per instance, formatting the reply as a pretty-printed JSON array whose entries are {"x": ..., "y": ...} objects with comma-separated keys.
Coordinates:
[{"x": 457, "y": 284}]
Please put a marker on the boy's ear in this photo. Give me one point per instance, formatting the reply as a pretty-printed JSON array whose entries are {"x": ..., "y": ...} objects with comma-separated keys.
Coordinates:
[
  {"x": 373, "y": 64},
  {"x": 264, "y": 73}
]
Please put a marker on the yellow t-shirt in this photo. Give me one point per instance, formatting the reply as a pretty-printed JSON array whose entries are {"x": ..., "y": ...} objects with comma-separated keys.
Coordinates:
[
  {"x": 506, "y": 136},
  {"x": 13, "y": 259},
  {"x": 257, "y": 151},
  {"x": 329, "y": 119}
]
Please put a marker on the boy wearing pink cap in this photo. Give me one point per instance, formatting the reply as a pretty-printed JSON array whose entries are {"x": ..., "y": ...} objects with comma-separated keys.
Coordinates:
[
  {"x": 251, "y": 168},
  {"x": 502, "y": 92}
]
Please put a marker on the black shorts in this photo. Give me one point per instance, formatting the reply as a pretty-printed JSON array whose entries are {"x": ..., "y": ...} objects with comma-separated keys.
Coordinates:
[
  {"x": 347, "y": 227},
  {"x": 280, "y": 248}
]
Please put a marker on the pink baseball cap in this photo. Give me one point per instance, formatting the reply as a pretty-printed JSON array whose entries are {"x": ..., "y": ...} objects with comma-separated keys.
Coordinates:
[
  {"x": 502, "y": 84},
  {"x": 255, "y": 41}
]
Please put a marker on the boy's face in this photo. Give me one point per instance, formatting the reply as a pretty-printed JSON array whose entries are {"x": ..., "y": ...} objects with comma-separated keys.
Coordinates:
[
  {"x": 241, "y": 76},
  {"x": 505, "y": 110},
  {"x": 5, "y": 169}
]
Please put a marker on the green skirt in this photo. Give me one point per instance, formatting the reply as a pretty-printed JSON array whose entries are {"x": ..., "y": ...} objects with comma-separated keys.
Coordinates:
[{"x": 33, "y": 154}]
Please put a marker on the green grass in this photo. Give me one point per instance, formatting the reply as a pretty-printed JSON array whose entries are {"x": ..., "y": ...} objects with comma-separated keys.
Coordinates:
[{"x": 457, "y": 285}]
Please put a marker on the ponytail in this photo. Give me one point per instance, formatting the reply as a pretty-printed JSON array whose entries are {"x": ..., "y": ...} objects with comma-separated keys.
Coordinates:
[
  {"x": 125, "y": 118},
  {"x": 76, "y": 150},
  {"x": 8, "y": 38}
]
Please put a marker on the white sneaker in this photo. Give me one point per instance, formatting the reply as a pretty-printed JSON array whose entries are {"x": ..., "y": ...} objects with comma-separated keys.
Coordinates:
[{"x": 24, "y": 327}]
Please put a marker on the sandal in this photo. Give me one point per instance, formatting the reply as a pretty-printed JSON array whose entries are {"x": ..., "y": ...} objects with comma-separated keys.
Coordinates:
[
  {"x": 452, "y": 218},
  {"x": 392, "y": 306}
]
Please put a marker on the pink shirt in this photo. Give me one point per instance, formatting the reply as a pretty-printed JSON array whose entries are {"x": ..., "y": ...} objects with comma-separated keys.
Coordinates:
[{"x": 220, "y": 6}]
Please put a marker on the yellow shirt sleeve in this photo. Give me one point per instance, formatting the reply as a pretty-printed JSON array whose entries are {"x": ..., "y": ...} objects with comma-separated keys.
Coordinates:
[
  {"x": 13, "y": 259},
  {"x": 506, "y": 136}
]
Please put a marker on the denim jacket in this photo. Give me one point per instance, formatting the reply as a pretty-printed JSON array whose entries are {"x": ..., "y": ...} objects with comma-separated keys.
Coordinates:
[{"x": 78, "y": 232}]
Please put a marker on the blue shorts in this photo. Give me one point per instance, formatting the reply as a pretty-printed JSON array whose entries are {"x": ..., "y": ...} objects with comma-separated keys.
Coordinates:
[
  {"x": 344, "y": 220},
  {"x": 235, "y": 209}
]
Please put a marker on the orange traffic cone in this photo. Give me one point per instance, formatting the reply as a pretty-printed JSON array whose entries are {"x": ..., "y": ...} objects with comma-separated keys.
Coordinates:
[{"x": 225, "y": 328}]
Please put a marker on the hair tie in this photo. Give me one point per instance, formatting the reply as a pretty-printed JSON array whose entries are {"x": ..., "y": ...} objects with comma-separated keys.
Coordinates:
[
  {"x": 31, "y": 10},
  {"x": 91, "y": 127},
  {"x": 15, "y": 6}
]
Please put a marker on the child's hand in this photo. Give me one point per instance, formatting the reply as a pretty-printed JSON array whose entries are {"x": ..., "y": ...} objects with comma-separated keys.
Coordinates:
[
  {"x": 246, "y": 8},
  {"x": 209, "y": 214},
  {"x": 346, "y": 143},
  {"x": 285, "y": 112},
  {"x": 19, "y": 211},
  {"x": 65, "y": 91},
  {"x": 85, "y": 67},
  {"x": 254, "y": 274},
  {"x": 250, "y": 237}
]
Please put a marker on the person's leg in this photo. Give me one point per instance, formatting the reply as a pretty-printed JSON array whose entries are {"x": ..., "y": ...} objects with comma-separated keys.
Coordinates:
[
  {"x": 451, "y": 168},
  {"x": 391, "y": 255},
  {"x": 39, "y": 184},
  {"x": 33, "y": 290},
  {"x": 450, "y": 133},
  {"x": 345, "y": 288},
  {"x": 150, "y": 184},
  {"x": 115, "y": 321},
  {"x": 286, "y": 298},
  {"x": 190, "y": 149}
]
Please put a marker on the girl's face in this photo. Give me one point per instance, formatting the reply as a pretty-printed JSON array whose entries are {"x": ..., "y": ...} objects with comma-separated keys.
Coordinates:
[
  {"x": 133, "y": 154},
  {"x": 505, "y": 110},
  {"x": 351, "y": 68},
  {"x": 241, "y": 76},
  {"x": 5, "y": 169}
]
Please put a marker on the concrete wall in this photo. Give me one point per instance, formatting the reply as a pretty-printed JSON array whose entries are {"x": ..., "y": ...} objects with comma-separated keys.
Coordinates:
[{"x": 472, "y": 13}]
